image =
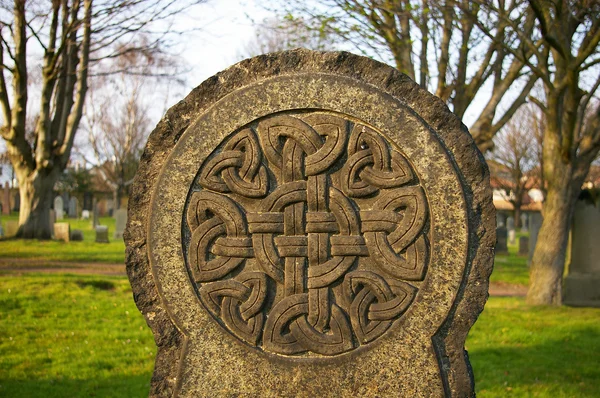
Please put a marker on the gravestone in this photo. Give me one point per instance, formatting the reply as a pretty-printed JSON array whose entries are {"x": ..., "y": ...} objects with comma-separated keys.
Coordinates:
[
  {"x": 6, "y": 199},
  {"x": 1, "y": 230},
  {"x": 52, "y": 221},
  {"x": 101, "y": 233},
  {"x": 85, "y": 214},
  {"x": 308, "y": 218},
  {"x": 582, "y": 284},
  {"x": 120, "y": 222},
  {"x": 500, "y": 219},
  {"x": 535, "y": 223},
  {"x": 77, "y": 235},
  {"x": 510, "y": 226},
  {"x": 73, "y": 205},
  {"x": 524, "y": 222},
  {"x": 59, "y": 208},
  {"x": 62, "y": 231},
  {"x": 11, "y": 228},
  {"x": 501, "y": 240},
  {"x": 524, "y": 246}
]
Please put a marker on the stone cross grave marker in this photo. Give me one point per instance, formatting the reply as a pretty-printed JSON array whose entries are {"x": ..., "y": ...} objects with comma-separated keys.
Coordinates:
[
  {"x": 120, "y": 222},
  {"x": 59, "y": 208},
  {"x": 302, "y": 226},
  {"x": 73, "y": 205}
]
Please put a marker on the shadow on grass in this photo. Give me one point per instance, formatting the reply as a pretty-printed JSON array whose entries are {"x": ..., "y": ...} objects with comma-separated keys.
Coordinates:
[
  {"x": 96, "y": 284},
  {"x": 544, "y": 367},
  {"x": 125, "y": 386}
]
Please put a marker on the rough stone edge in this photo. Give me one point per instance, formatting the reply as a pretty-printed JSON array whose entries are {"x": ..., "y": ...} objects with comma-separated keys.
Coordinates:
[{"x": 473, "y": 173}]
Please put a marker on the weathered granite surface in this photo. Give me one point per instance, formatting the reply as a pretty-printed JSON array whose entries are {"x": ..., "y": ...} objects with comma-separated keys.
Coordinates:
[{"x": 310, "y": 224}]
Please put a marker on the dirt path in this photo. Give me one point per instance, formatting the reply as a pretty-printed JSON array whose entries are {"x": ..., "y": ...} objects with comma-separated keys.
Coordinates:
[
  {"x": 37, "y": 265},
  {"x": 30, "y": 265}
]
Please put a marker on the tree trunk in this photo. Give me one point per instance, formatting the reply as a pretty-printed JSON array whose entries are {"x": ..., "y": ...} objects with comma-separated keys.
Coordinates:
[
  {"x": 548, "y": 262},
  {"x": 36, "y": 192},
  {"x": 517, "y": 215}
]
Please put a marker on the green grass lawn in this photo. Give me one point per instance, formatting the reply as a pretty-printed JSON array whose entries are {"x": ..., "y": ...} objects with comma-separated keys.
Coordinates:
[
  {"x": 82, "y": 336},
  {"x": 86, "y": 251},
  {"x": 72, "y": 336},
  {"x": 523, "y": 351}
]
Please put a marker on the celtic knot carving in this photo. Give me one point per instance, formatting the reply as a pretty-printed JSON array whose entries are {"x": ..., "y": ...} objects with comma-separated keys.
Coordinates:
[{"x": 304, "y": 231}]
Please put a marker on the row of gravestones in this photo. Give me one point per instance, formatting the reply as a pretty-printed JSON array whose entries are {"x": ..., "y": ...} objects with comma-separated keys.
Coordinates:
[
  {"x": 61, "y": 231},
  {"x": 73, "y": 208},
  {"x": 505, "y": 235}
]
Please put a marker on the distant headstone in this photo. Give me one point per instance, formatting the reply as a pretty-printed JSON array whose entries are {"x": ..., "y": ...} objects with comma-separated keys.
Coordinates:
[
  {"x": 52, "y": 221},
  {"x": 73, "y": 205},
  {"x": 120, "y": 222},
  {"x": 12, "y": 227},
  {"x": 582, "y": 284},
  {"x": 77, "y": 235},
  {"x": 524, "y": 222},
  {"x": 6, "y": 199},
  {"x": 308, "y": 217},
  {"x": 510, "y": 227},
  {"x": 62, "y": 231},
  {"x": 524, "y": 246},
  {"x": 500, "y": 219},
  {"x": 535, "y": 223},
  {"x": 101, "y": 233},
  {"x": 501, "y": 240},
  {"x": 1, "y": 231},
  {"x": 85, "y": 214},
  {"x": 59, "y": 208}
]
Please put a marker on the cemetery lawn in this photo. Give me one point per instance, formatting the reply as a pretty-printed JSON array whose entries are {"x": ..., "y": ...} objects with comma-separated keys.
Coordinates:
[
  {"x": 511, "y": 268},
  {"x": 522, "y": 351},
  {"x": 86, "y": 251},
  {"x": 72, "y": 336},
  {"x": 80, "y": 336}
]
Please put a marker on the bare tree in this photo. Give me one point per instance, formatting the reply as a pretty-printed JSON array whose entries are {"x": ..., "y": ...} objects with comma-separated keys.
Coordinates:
[
  {"x": 284, "y": 34},
  {"x": 439, "y": 44},
  {"x": 118, "y": 124},
  {"x": 74, "y": 37},
  {"x": 565, "y": 47},
  {"x": 515, "y": 151}
]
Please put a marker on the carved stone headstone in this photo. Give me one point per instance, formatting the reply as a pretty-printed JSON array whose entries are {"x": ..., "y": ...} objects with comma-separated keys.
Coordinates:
[
  {"x": 85, "y": 214},
  {"x": 101, "y": 233},
  {"x": 59, "y": 208},
  {"x": 73, "y": 205},
  {"x": 6, "y": 199},
  {"x": 88, "y": 200},
  {"x": 501, "y": 240},
  {"x": 524, "y": 246},
  {"x": 62, "y": 231},
  {"x": 303, "y": 222},
  {"x": 582, "y": 284},
  {"x": 120, "y": 222},
  {"x": 12, "y": 227}
]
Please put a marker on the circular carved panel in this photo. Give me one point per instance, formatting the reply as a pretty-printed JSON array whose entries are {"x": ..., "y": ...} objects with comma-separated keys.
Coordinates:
[{"x": 305, "y": 234}]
